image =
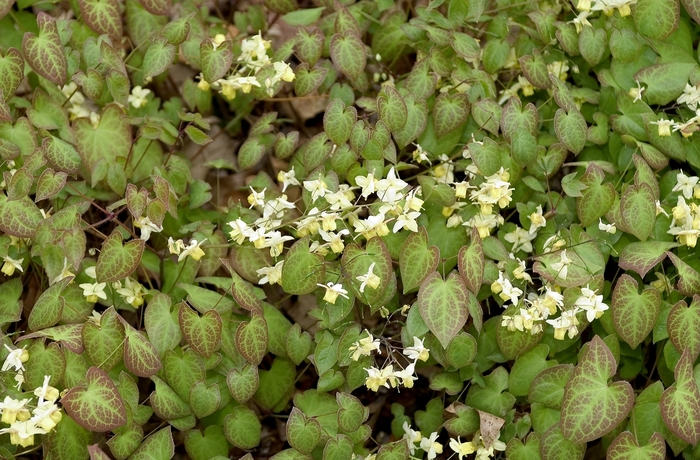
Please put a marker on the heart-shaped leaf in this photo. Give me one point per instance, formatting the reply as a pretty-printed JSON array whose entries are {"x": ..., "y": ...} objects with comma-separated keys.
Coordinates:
[
  {"x": 592, "y": 44},
  {"x": 689, "y": 278},
  {"x": 416, "y": 121},
  {"x": 157, "y": 445},
  {"x": 555, "y": 446},
  {"x": 96, "y": 404},
  {"x": 417, "y": 260},
  {"x": 591, "y": 407},
  {"x": 571, "y": 129},
  {"x": 515, "y": 118},
  {"x": 204, "y": 400},
  {"x": 140, "y": 356},
  {"x": 215, "y": 60},
  {"x": 683, "y": 326},
  {"x": 352, "y": 413},
  {"x": 48, "y": 308},
  {"x": 625, "y": 447},
  {"x": 680, "y": 403},
  {"x": 309, "y": 45},
  {"x": 307, "y": 81},
  {"x": 348, "y": 54},
  {"x": 209, "y": 445},
  {"x": 302, "y": 270},
  {"x": 158, "y": 58},
  {"x": 450, "y": 112},
  {"x": 338, "y": 448},
  {"x": 242, "y": 428},
  {"x": 44, "y": 52},
  {"x": 303, "y": 433},
  {"x": 656, "y": 19},
  {"x": 103, "y": 16},
  {"x": 356, "y": 263},
  {"x": 338, "y": 121},
  {"x": 634, "y": 314},
  {"x": 297, "y": 344},
  {"x": 443, "y": 305},
  {"x": 597, "y": 197},
  {"x": 202, "y": 333},
  {"x": 50, "y": 183},
  {"x": 471, "y": 263},
  {"x": 19, "y": 218},
  {"x": 104, "y": 343},
  {"x": 166, "y": 403},
  {"x": 638, "y": 210},
  {"x": 392, "y": 108},
  {"x": 251, "y": 338},
  {"x": 642, "y": 257},
  {"x": 116, "y": 260},
  {"x": 12, "y": 70},
  {"x": 243, "y": 382}
]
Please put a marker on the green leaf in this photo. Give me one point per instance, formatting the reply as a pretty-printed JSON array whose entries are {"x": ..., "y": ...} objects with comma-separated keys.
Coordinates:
[
  {"x": 656, "y": 19},
  {"x": 625, "y": 447},
  {"x": 276, "y": 384},
  {"x": 158, "y": 58},
  {"x": 638, "y": 210},
  {"x": 523, "y": 148},
  {"x": 116, "y": 260},
  {"x": 462, "y": 350},
  {"x": 450, "y": 382},
  {"x": 634, "y": 314},
  {"x": 338, "y": 448},
  {"x": 491, "y": 397},
  {"x": 12, "y": 70},
  {"x": 516, "y": 450},
  {"x": 302, "y": 269},
  {"x": 297, "y": 344},
  {"x": 96, "y": 404},
  {"x": 251, "y": 338},
  {"x": 571, "y": 129},
  {"x": 103, "y": 16},
  {"x": 90, "y": 141},
  {"x": 202, "y": 333},
  {"x": 680, "y": 403},
  {"x": 160, "y": 8},
  {"x": 450, "y": 112},
  {"x": 356, "y": 262},
  {"x": 683, "y": 326},
  {"x": 162, "y": 323},
  {"x": 66, "y": 437},
  {"x": 443, "y": 305},
  {"x": 487, "y": 113},
  {"x": 643, "y": 256},
  {"x": 44, "y": 53},
  {"x": 526, "y": 368},
  {"x": 104, "y": 343},
  {"x": 591, "y": 407},
  {"x": 182, "y": 371},
  {"x": 215, "y": 60},
  {"x": 417, "y": 260},
  {"x": 303, "y": 17},
  {"x": 348, "y": 54},
  {"x": 597, "y": 197},
  {"x": 156, "y": 446},
  {"x": 204, "y": 400},
  {"x": 19, "y": 217},
  {"x": 10, "y": 306},
  {"x": 554, "y": 446},
  {"x": 535, "y": 70},
  {"x": 243, "y": 383},
  {"x": 352, "y": 413},
  {"x": 548, "y": 387},
  {"x": 175, "y": 32},
  {"x": 47, "y": 310},
  {"x": 689, "y": 278},
  {"x": 242, "y": 428},
  {"x": 303, "y": 433},
  {"x": 592, "y": 44},
  {"x": 515, "y": 118},
  {"x": 61, "y": 155},
  {"x": 208, "y": 445},
  {"x": 338, "y": 121},
  {"x": 664, "y": 82},
  {"x": 392, "y": 108}
]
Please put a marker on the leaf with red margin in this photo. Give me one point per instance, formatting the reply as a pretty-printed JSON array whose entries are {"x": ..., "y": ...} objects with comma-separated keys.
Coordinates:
[
  {"x": 158, "y": 7},
  {"x": 5, "y": 114},
  {"x": 202, "y": 333},
  {"x": 553, "y": 445},
  {"x": 634, "y": 314},
  {"x": 69, "y": 335},
  {"x": 96, "y": 404},
  {"x": 116, "y": 260},
  {"x": 242, "y": 291},
  {"x": 5, "y": 7},
  {"x": 140, "y": 356},
  {"x": 625, "y": 447},
  {"x": 157, "y": 446},
  {"x": 471, "y": 262},
  {"x": 243, "y": 383},
  {"x": 443, "y": 305},
  {"x": 44, "y": 53},
  {"x": 641, "y": 257},
  {"x": 680, "y": 403},
  {"x": 49, "y": 308},
  {"x": 683, "y": 327},
  {"x": 417, "y": 260},
  {"x": 19, "y": 217},
  {"x": 251, "y": 338},
  {"x": 96, "y": 453},
  {"x": 215, "y": 60},
  {"x": 591, "y": 408},
  {"x": 103, "y": 16},
  {"x": 688, "y": 277}
]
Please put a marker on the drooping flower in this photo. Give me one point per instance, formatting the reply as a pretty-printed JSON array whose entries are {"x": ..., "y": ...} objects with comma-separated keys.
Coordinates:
[
  {"x": 365, "y": 346},
  {"x": 370, "y": 279},
  {"x": 193, "y": 250},
  {"x": 333, "y": 291},
  {"x": 417, "y": 351}
]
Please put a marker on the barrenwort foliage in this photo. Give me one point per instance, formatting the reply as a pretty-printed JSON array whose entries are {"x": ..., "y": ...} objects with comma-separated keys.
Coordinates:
[{"x": 347, "y": 229}]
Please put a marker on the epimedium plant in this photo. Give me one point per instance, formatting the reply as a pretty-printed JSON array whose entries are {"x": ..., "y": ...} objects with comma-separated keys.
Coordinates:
[{"x": 483, "y": 248}]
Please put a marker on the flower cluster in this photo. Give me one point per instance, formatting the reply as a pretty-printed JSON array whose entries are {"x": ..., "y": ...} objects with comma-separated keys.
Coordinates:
[
  {"x": 685, "y": 225},
  {"x": 131, "y": 291},
  {"x": 253, "y": 57},
  {"x": 495, "y": 190},
  {"x": 387, "y": 376}
]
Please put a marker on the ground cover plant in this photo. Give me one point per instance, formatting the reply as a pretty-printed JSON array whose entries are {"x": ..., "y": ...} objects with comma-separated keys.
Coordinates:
[{"x": 349, "y": 229}]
